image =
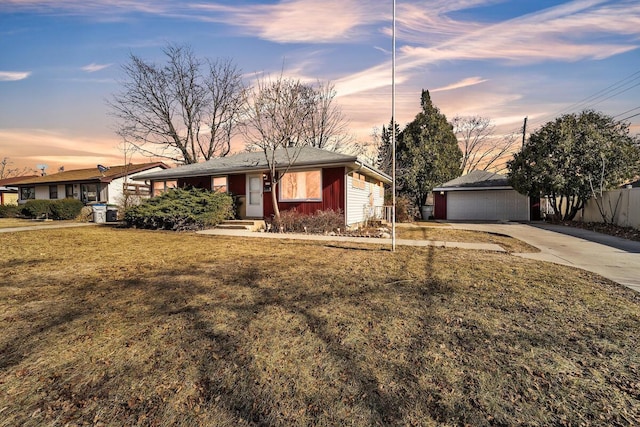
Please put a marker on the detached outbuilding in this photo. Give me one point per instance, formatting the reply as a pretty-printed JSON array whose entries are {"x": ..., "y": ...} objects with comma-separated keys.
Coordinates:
[{"x": 483, "y": 196}]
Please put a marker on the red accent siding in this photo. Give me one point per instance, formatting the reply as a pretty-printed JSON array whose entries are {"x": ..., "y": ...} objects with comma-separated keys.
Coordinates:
[
  {"x": 238, "y": 184},
  {"x": 195, "y": 181},
  {"x": 440, "y": 202},
  {"x": 333, "y": 196}
]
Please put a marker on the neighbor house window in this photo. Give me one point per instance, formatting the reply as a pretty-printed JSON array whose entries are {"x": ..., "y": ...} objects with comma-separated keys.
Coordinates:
[
  {"x": 90, "y": 192},
  {"x": 301, "y": 186},
  {"x": 359, "y": 181},
  {"x": 219, "y": 184},
  {"x": 27, "y": 193},
  {"x": 53, "y": 191},
  {"x": 68, "y": 191}
]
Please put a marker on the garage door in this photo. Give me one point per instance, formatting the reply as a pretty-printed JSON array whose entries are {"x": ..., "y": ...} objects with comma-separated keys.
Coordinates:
[{"x": 489, "y": 205}]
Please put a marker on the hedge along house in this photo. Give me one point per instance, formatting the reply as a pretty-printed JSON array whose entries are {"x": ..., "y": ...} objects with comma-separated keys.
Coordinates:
[
  {"x": 93, "y": 185},
  {"x": 483, "y": 196},
  {"x": 316, "y": 180}
]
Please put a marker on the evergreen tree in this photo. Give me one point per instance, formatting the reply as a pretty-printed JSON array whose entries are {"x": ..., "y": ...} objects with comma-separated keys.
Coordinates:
[
  {"x": 427, "y": 153},
  {"x": 385, "y": 150}
]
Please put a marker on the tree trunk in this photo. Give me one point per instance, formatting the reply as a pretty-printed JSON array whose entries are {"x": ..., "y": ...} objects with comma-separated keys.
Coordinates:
[{"x": 274, "y": 200}]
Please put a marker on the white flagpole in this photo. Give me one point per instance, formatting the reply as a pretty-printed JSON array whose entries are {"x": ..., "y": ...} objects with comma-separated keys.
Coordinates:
[{"x": 393, "y": 129}]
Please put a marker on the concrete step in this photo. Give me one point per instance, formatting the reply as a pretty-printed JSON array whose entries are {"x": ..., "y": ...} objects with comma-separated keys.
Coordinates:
[{"x": 251, "y": 225}]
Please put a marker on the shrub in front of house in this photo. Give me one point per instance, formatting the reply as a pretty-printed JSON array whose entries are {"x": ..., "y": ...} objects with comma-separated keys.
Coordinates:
[
  {"x": 320, "y": 222},
  {"x": 37, "y": 208},
  {"x": 65, "y": 209},
  {"x": 180, "y": 210},
  {"x": 9, "y": 211},
  {"x": 406, "y": 211}
]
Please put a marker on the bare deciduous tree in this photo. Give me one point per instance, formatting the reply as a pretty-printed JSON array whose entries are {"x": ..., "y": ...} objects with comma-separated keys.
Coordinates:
[
  {"x": 328, "y": 126},
  {"x": 279, "y": 121},
  {"x": 8, "y": 172},
  {"x": 481, "y": 148},
  {"x": 176, "y": 111}
]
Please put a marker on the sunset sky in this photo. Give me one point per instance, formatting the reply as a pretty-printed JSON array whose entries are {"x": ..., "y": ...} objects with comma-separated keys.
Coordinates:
[{"x": 60, "y": 60}]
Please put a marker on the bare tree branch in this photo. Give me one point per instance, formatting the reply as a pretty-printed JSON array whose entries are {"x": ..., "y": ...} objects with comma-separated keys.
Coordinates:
[
  {"x": 482, "y": 149},
  {"x": 175, "y": 111},
  {"x": 279, "y": 119},
  {"x": 8, "y": 172}
]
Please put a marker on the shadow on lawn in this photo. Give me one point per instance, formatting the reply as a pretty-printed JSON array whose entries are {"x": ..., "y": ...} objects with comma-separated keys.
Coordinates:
[
  {"x": 278, "y": 346},
  {"x": 246, "y": 395}
]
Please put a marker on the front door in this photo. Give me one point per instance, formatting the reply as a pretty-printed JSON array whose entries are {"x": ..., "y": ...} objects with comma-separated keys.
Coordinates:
[{"x": 254, "y": 196}]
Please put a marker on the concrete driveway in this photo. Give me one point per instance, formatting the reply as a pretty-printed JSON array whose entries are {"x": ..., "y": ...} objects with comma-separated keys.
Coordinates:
[{"x": 611, "y": 257}]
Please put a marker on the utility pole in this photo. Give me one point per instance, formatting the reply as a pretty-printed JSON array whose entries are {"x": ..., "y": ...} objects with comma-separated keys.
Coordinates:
[{"x": 524, "y": 131}]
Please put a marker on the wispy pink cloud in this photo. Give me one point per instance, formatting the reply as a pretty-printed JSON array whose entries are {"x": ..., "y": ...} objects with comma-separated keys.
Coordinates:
[
  {"x": 470, "y": 81},
  {"x": 295, "y": 21}
]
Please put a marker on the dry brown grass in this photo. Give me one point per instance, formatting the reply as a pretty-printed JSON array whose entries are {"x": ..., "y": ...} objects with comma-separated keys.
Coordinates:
[
  {"x": 19, "y": 222},
  {"x": 116, "y": 327},
  {"x": 421, "y": 231}
]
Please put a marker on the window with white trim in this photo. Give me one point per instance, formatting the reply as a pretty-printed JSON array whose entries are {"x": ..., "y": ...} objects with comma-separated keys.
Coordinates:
[{"x": 303, "y": 186}]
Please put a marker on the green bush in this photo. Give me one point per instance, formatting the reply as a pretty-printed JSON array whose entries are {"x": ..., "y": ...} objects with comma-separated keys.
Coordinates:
[
  {"x": 181, "y": 209},
  {"x": 319, "y": 222},
  {"x": 37, "y": 208},
  {"x": 62, "y": 209},
  {"x": 65, "y": 208},
  {"x": 9, "y": 211}
]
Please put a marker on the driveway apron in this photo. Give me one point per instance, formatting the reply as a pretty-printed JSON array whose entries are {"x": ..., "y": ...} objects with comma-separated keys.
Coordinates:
[{"x": 611, "y": 257}]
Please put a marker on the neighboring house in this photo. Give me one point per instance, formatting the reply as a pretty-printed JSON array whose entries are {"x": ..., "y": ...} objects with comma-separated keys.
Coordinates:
[
  {"x": 317, "y": 180},
  {"x": 483, "y": 196},
  {"x": 99, "y": 184},
  {"x": 9, "y": 191}
]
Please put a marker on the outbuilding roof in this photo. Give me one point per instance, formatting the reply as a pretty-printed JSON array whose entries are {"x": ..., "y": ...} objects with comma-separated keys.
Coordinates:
[
  {"x": 255, "y": 160},
  {"x": 90, "y": 174},
  {"x": 476, "y": 180}
]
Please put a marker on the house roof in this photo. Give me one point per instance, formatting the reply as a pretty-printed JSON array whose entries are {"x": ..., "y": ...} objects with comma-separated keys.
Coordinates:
[
  {"x": 7, "y": 182},
  {"x": 252, "y": 161},
  {"x": 90, "y": 174},
  {"x": 479, "y": 180}
]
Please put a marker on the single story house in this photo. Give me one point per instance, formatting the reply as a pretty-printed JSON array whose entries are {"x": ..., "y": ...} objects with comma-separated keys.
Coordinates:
[
  {"x": 483, "y": 196},
  {"x": 94, "y": 185},
  {"x": 316, "y": 180},
  {"x": 9, "y": 191}
]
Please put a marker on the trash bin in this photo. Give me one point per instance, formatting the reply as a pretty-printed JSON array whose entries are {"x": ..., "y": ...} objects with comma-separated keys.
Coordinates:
[
  {"x": 426, "y": 211},
  {"x": 112, "y": 213},
  {"x": 99, "y": 213}
]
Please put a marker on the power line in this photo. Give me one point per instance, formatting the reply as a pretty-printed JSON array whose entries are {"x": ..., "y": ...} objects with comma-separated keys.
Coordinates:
[
  {"x": 634, "y": 115},
  {"x": 596, "y": 98},
  {"x": 625, "y": 112}
]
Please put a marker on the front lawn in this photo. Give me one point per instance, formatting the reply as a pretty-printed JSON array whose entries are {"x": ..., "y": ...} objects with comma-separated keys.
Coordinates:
[
  {"x": 20, "y": 222},
  {"x": 102, "y": 326}
]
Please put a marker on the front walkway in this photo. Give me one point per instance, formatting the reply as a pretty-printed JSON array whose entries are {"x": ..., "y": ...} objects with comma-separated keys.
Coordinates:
[{"x": 374, "y": 240}]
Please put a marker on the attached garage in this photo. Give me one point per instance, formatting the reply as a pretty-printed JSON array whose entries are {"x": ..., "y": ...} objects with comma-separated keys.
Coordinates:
[{"x": 480, "y": 196}]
